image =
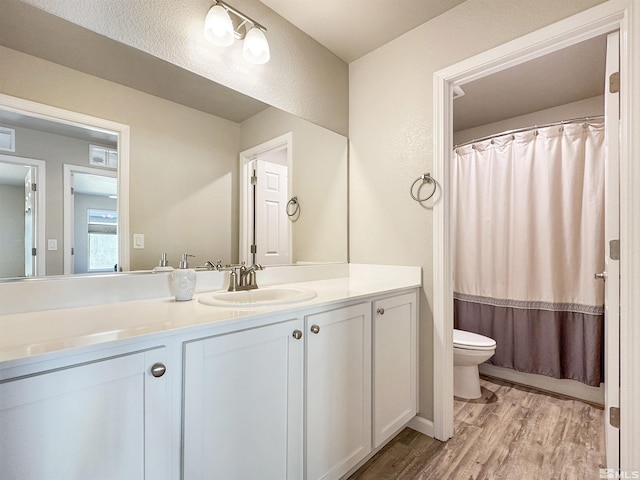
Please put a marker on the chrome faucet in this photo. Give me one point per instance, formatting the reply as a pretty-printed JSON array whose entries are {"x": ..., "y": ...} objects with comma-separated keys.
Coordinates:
[
  {"x": 247, "y": 277},
  {"x": 241, "y": 277}
]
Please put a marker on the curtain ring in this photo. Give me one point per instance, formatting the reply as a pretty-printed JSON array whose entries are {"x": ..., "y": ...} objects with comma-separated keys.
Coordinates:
[
  {"x": 425, "y": 178},
  {"x": 293, "y": 202}
]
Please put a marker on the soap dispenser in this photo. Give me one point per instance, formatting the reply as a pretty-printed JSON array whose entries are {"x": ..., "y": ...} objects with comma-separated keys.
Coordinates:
[
  {"x": 163, "y": 266},
  {"x": 184, "y": 280}
]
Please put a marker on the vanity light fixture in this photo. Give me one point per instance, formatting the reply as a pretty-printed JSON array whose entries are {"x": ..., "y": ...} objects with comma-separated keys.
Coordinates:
[{"x": 224, "y": 24}]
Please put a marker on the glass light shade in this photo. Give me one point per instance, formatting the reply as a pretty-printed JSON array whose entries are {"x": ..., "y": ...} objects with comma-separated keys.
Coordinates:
[
  {"x": 255, "y": 47},
  {"x": 218, "y": 28}
]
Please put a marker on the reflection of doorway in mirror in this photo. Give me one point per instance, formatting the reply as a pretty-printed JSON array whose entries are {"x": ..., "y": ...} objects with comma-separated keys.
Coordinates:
[
  {"x": 265, "y": 190},
  {"x": 57, "y": 136},
  {"x": 22, "y": 193},
  {"x": 90, "y": 220}
]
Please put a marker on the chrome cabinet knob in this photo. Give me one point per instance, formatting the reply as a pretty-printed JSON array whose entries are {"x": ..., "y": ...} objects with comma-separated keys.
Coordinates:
[
  {"x": 315, "y": 329},
  {"x": 601, "y": 276},
  {"x": 380, "y": 311},
  {"x": 297, "y": 334},
  {"x": 158, "y": 369}
]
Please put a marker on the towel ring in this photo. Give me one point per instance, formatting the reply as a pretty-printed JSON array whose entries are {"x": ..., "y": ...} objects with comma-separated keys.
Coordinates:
[
  {"x": 424, "y": 178},
  {"x": 293, "y": 201}
]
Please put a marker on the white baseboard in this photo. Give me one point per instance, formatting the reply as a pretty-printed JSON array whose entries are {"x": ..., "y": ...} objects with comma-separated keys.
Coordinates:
[
  {"x": 422, "y": 425},
  {"x": 570, "y": 388}
]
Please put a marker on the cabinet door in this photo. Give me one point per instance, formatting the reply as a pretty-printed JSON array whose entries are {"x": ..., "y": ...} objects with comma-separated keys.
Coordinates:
[
  {"x": 394, "y": 365},
  {"x": 338, "y": 391},
  {"x": 243, "y": 405},
  {"x": 104, "y": 420}
]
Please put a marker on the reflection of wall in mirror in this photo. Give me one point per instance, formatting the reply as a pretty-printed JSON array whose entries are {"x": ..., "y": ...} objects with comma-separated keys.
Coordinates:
[
  {"x": 183, "y": 162},
  {"x": 319, "y": 169}
]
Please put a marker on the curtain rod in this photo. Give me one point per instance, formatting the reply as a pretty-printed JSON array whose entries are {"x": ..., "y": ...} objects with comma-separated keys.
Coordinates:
[{"x": 525, "y": 129}]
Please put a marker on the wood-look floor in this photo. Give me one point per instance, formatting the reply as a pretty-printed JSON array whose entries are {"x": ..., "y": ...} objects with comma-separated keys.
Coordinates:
[{"x": 512, "y": 432}]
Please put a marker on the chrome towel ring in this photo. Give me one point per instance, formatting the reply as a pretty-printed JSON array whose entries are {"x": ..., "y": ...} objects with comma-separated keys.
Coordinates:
[
  {"x": 424, "y": 178},
  {"x": 293, "y": 204}
]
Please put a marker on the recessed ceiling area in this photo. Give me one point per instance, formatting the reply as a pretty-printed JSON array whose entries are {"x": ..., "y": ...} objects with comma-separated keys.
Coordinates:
[
  {"x": 565, "y": 76},
  {"x": 353, "y": 28}
]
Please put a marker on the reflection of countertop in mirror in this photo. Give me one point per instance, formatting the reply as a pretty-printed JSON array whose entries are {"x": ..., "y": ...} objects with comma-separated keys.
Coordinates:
[{"x": 46, "y": 334}]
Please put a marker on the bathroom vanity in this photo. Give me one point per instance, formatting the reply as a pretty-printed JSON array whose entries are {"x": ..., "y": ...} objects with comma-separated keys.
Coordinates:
[{"x": 159, "y": 389}]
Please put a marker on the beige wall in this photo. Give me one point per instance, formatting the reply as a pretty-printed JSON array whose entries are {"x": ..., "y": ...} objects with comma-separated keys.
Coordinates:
[
  {"x": 319, "y": 169},
  {"x": 390, "y": 128},
  {"x": 183, "y": 164},
  {"x": 584, "y": 108},
  {"x": 302, "y": 77}
]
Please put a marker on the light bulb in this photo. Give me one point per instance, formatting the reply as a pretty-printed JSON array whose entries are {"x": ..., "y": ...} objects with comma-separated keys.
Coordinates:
[
  {"x": 218, "y": 28},
  {"x": 255, "y": 47}
]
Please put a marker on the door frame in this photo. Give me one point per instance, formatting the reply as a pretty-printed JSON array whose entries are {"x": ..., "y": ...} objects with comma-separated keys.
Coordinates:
[
  {"x": 623, "y": 15},
  {"x": 41, "y": 215},
  {"x": 68, "y": 211},
  {"x": 60, "y": 115},
  {"x": 246, "y": 209}
]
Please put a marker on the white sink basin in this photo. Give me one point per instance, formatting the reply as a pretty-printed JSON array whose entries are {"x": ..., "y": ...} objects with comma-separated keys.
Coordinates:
[{"x": 258, "y": 298}]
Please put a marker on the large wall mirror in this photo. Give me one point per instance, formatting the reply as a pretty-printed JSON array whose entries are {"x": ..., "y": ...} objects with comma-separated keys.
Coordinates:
[{"x": 187, "y": 153}]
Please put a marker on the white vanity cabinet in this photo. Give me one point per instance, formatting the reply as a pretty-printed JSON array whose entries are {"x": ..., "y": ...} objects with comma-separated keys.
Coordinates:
[
  {"x": 394, "y": 364},
  {"x": 101, "y": 420},
  {"x": 242, "y": 408},
  {"x": 338, "y": 391},
  {"x": 303, "y": 392}
]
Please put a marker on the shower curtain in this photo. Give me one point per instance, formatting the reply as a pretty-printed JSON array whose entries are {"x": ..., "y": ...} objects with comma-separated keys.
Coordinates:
[{"x": 529, "y": 235}]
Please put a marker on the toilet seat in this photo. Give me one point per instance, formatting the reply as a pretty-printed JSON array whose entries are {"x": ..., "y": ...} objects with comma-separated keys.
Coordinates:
[{"x": 472, "y": 341}]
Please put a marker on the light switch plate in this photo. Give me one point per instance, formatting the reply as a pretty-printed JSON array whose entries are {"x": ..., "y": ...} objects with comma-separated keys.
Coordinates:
[
  {"x": 138, "y": 240},
  {"x": 52, "y": 244}
]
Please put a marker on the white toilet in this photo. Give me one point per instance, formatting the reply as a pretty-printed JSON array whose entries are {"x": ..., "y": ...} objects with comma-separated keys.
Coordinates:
[{"x": 469, "y": 351}]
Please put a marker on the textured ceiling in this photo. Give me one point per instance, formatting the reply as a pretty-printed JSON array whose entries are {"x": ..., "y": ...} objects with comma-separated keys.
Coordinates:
[
  {"x": 353, "y": 28},
  {"x": 33, "y": 31}
]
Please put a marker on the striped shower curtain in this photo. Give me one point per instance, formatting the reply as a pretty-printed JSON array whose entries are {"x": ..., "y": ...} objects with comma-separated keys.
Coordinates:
[{"x": 529, "y": 236}]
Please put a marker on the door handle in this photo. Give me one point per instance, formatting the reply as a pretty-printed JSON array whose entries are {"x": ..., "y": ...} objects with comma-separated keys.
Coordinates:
[{"x": 601, "y": 276}]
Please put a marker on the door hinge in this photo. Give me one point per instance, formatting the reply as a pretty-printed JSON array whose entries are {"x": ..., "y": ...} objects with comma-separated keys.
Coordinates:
[
  {"x": 614, "y": 249},
  {"x": 72, "y": 251},
  {"x": 34, "y": 187},
  {"x": 72, "y": 190},
  {"x": 254, "y": 249},
  {"x": 33, "y": 252},
  {"x": 614, "y": 417},
  {"x": 614, "y": 82},
  {"x": 254, "y": 180}
]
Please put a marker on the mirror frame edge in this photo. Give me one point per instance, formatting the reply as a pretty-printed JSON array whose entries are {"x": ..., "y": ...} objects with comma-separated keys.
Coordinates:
[{"x": 49, "y": 112}]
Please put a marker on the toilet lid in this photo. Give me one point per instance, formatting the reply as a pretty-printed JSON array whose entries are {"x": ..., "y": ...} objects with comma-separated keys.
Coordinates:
[{"x": 472, "y": 341}]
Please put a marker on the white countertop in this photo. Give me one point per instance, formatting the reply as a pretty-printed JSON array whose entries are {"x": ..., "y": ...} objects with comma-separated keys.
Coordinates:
[{"x": 29, "y": 334}]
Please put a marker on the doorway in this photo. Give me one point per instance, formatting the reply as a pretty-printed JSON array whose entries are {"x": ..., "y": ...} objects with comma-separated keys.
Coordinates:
[
  {"x": 265, "y": 190},
  {"x": 22, "y": 194},
  {"x": 90, "y": 220},
  {"x": 597, "y": 21}
]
